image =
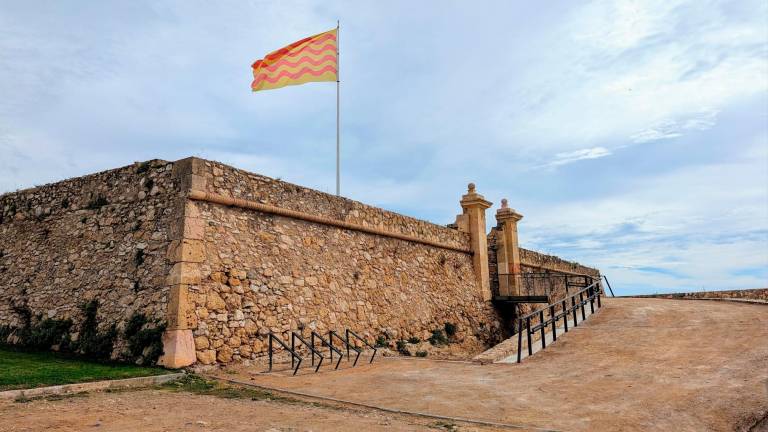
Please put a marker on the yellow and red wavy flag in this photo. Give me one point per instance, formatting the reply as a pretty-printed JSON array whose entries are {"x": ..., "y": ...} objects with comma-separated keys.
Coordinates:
[{"x": 311, "y": 59}]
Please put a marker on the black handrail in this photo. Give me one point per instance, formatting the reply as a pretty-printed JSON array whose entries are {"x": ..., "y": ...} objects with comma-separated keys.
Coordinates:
[
  {"x": 312, "y": 350},
  {"x": 592, "y": 291},
  {"x": 333, "y": 333},
  {"x": 285, "y": 346},
  {"x": 324, "y": 342},
  {"x": 609, "y": 285},
  {"x": 350, "y": 332}
]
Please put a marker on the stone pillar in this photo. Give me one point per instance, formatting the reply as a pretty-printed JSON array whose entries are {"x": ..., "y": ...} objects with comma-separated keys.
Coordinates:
[
  {"x": 186, "y": 253},
  {"x": 473, "y": 222},
  {"x": 508, "y": 250}
]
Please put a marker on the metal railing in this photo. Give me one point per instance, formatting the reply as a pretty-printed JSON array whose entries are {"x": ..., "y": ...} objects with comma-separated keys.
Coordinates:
[
  {"x": 542, "y": 284},
  {"x": 312, "y": 347},
  {"x": 587, "y": 295}
]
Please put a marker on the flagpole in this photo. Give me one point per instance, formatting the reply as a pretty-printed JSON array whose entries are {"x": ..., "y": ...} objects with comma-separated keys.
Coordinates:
[{"x": 338, "y": 146}]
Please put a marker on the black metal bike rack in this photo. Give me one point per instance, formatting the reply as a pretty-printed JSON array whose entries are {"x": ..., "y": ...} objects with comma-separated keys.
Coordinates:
[
  {"x": 313, "y": 352},
  {"x": 345, "y": 341},
  {"x": 587, "y": 295},
  {"x": 350, "y": 332},
  {"x": 312, "y": 346},
  {"x": 315, "y": 335},
  {"x": 285, "y": 346}
]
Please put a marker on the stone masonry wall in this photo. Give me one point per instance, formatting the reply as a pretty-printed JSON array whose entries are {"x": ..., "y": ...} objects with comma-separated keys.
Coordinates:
[
  {"x": 102, "y": 236},
  {"x": 264, "y": 272}
]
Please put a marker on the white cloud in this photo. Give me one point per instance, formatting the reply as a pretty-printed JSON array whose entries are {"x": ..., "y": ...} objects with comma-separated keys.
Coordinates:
[{"x": 577, "y": 155}]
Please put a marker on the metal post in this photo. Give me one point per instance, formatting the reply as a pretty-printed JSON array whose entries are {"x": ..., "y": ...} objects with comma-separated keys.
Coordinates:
[
  {"x": 270, "y": 352},
  {"x": 573, "y": 306},
  {"x": 528, "y": 331},
  {"x": 293, "y": 347},
  {"x": 554, "y": 322},
  {"x": 565, "y": 315},
  {"x": 519, "y": 340},
  {"x": 542, "y": 326},
  {"x": 338, "y": 115},
  {"x": 312, "y": 339},
  {"x": 581, "y": 303}
]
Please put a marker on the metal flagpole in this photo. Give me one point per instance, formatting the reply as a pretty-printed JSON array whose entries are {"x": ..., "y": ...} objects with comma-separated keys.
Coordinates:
[{"x": 338, "y": 147}]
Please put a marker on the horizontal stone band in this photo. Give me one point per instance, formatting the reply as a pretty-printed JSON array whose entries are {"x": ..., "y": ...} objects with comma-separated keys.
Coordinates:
[{"x": 265, "y": 208}]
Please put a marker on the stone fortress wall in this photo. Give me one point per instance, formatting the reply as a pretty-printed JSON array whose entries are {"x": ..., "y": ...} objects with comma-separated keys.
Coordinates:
[
  {"x": 224, "y": 257},
  {"x": 102, "y": 236},
  {"x": 266, "y": 273}
]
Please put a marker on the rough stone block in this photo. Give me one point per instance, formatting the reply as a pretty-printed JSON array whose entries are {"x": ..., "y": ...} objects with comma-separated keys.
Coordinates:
[{"x": 178, "y": 349}]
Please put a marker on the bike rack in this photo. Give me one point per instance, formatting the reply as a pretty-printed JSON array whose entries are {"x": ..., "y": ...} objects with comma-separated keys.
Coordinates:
[
  {"x": 350, "y": 332},
  {"x": 346, "y": 343},
  {"x": 293, "y": 353},
  {"x": 313, "y": 351},
  {"x": 315, "y": 335}
]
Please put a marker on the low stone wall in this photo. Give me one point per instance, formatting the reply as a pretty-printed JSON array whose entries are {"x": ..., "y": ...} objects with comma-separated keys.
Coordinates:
[
  {"x": 99, "y": 237},
  {"x": 267, "y": 273},
  {"x": 747, "y": 294}
]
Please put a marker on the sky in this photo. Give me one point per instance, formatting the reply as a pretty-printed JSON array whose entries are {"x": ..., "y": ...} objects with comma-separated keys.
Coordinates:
[{"x": 632, "y": 135}]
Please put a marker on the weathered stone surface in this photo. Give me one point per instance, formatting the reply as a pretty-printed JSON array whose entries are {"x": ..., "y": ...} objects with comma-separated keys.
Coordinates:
[{"x": 101, "y": 236}]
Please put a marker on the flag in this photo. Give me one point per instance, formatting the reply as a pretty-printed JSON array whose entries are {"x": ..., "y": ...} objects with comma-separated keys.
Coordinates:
[{"x": 311, "y": 59}]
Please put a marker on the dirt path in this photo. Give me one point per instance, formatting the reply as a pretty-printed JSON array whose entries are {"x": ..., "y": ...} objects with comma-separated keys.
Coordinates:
[
  {"x": 161, "y": 410},
  {"x": 639, "y": 364}
]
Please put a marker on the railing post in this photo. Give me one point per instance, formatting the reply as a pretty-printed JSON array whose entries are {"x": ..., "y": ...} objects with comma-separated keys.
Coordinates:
[
  {"x": 312, "y": 339},
  {"x": 543, "y": 332},
  {"x": 591, "y": 299},
  {"x": 519, "y": 340},
  {"x": 293, "y": 347},
  {"x": 554, "y": 322},
  {"x": 581, "y": 304},
  {"x": 573, "y": 309},
  {"x": 565, "y": 315},
  {"x": 528, "y": 332},
  {"x": 270, "y": 352}
]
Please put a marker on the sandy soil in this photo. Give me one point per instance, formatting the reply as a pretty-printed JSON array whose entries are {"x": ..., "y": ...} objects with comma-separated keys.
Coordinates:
[
  {"x": 162, "y": 410},
  {"x": 639, "y": 364}
]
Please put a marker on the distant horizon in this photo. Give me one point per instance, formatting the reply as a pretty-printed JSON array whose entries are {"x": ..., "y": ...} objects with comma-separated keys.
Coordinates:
[{"x": 632, "y": 136}]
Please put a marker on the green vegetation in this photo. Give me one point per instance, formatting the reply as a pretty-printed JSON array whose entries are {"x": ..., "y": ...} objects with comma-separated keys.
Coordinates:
[
  {"x": 450, "y": 329},
  {"x": 414, "y": 340},
  {"x": 438, "y": 338},
  {"x": 20, "y": 369},
  {"x": 421, "y": 353},
  {"x": 195, "y": 384},
  {"x": 144, "y": 338},
  {"x": 382, "y": 341}
]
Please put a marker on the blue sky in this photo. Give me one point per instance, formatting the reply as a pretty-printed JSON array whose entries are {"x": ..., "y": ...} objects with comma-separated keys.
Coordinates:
[{"x": 632, "y": 135}]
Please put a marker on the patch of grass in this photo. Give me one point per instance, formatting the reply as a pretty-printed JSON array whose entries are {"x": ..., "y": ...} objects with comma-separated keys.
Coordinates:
[
  {"x": 19, "y": 369},
  {"x": 198, "y": 385}
]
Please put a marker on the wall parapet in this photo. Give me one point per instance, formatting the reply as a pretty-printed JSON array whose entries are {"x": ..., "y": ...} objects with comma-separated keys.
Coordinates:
[{"x": 266, "y": 208}]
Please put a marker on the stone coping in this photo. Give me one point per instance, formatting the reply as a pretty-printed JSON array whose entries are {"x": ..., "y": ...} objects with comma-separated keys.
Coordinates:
[
  {"x": 90, "y": 386},
  {"x": 266, "y": 208}
]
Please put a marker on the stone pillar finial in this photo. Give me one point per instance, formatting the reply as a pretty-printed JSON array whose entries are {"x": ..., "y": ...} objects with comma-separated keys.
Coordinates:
[
  {"x": 508, "y": 250},
  {"x": 473, "y": 221}
]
